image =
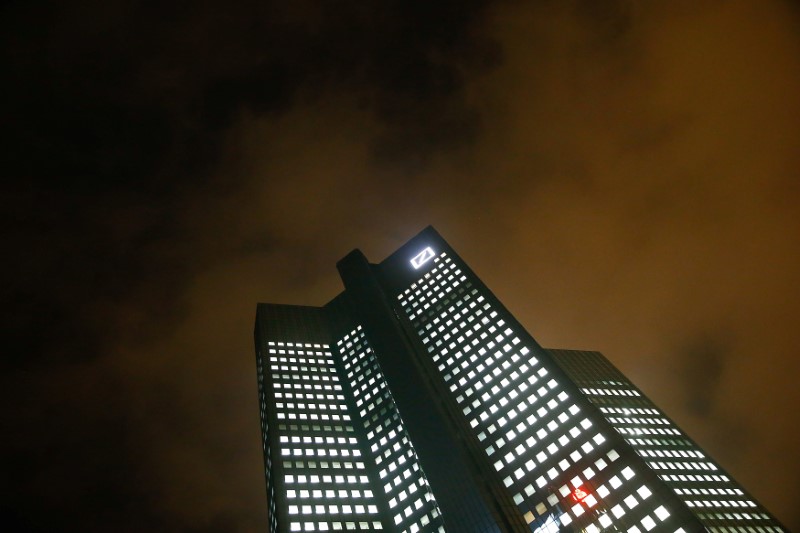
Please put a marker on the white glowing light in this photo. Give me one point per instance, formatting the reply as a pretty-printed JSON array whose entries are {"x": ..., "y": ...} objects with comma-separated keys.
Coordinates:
[{"x": 423, "y": 257}]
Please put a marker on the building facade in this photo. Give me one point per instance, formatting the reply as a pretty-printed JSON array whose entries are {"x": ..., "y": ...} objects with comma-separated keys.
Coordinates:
[{"x": 415, "y": 402}]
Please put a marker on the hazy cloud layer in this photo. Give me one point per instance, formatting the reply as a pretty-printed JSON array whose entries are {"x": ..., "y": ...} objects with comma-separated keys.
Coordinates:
[{"x": 623, "y": 175}]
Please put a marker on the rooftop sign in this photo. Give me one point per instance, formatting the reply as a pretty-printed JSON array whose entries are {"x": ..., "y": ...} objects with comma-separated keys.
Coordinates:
[{"x": 423, "y": 257}]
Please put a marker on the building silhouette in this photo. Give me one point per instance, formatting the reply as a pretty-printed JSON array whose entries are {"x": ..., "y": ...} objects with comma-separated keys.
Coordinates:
[{"x": 415, "y": 402}]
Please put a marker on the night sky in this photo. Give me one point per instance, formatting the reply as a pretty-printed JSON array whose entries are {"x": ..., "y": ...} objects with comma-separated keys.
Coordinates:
[{"x": 624, "y": 175}]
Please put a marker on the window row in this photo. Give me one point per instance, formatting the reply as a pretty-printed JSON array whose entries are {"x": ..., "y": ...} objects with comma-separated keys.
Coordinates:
[
  {"x": 320, "y": 452},
  {"x": 304, "y": 377},
  {"x": 306, "y": 406},
  {"x": 611, "y": 392},
  {"x": 302, "y": 479},
  {"x": 329, "y": 493},
  {"x": 336, "y": 465},
  {"x": 303, "y": 360},
  {"x": 314, "y": 427},
  {"x": 333, "y": 509},
  {"x": 312, "y": 416},
  {"x": 335, "y": 526},
  {"x": 307, "y": 386}
]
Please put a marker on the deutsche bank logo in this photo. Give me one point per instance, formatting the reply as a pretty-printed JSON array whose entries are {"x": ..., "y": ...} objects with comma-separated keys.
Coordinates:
[{"x": 423, "y": 257}]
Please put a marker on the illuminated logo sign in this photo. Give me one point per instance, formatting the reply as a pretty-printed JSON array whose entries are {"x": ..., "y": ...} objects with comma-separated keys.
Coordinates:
[
  {"x": 579, "y": 495},
  {"x": 423, "y": 257}
]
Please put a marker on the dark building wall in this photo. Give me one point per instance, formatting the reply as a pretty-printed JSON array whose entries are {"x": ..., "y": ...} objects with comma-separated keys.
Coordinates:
[{"x": 455, "y": 474}]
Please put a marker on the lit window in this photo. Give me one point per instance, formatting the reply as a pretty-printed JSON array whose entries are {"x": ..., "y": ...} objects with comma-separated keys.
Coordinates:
[
  {"x": 648, "y": 523},
  {"x": 662, "y": 513},
  {"x": 631, "y": 501}
]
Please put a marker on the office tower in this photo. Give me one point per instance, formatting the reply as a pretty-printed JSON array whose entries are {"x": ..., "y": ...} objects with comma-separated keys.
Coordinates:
[{"x": 415, "y": 402}]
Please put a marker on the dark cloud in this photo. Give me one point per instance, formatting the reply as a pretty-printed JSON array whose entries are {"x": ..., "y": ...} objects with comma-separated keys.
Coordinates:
[
  {"x": 171, "y": 165},
  {"x": 117, "y": 111},
  {"x": 703, "y": 360}
]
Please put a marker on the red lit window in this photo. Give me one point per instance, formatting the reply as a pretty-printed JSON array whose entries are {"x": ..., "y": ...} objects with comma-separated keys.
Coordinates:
[{"x": 579, "y": 495}]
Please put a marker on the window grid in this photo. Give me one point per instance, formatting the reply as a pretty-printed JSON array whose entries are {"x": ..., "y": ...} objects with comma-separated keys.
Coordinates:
[
  {"x": 696, "y": 479},
  {"x": 406, "y": 489},
  {"x": 325, "y": 476},
  {"x": 715, "y": 498},
  {"x": 540, "y": 443}
]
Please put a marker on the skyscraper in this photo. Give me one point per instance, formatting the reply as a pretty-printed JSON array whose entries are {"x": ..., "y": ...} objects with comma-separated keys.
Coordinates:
[{"x": 415, "y": 402}]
